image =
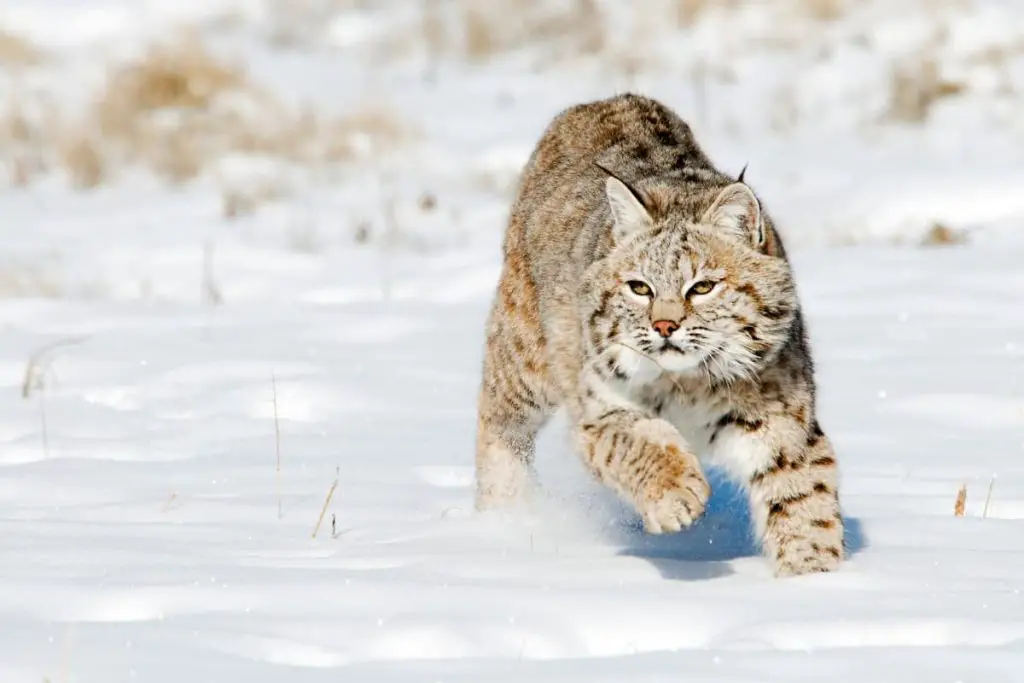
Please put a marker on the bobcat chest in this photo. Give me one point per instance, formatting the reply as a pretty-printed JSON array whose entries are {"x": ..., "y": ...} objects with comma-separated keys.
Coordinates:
[
  {"x": 688, "y": 404},
  {"x": 696, "y": 419}
]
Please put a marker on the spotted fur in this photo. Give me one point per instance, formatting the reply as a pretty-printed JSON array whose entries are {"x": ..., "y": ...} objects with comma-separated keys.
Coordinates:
[{"x": 649, "y": 295}]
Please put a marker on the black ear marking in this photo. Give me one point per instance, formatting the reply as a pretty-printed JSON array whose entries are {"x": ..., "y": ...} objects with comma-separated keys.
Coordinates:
[
  {"x": 637, "y": 194},
  {"x": 739, "y": 178}
]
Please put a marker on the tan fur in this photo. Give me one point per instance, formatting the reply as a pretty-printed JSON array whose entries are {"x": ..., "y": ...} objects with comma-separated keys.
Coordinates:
[{"x": 616, "y": 199}]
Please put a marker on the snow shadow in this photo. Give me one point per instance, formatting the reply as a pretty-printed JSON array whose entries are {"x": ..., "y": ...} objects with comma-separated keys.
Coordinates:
[{"x": 724, "y": 534}]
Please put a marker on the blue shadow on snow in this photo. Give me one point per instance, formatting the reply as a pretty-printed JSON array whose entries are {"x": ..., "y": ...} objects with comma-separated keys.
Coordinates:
[{"x": 722, "y": 535}]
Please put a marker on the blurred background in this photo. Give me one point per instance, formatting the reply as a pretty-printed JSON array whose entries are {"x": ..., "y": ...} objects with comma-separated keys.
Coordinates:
[{"x": 141, "y": 137}]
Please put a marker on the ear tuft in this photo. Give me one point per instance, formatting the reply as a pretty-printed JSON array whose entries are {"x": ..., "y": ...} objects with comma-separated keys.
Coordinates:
[
  {"x": 628, "y": 210},
  {"x": 737, "y": 212}
]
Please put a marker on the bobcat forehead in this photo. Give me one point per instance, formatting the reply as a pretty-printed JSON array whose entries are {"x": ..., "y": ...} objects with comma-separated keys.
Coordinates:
[{"x": 649, "y": 294}]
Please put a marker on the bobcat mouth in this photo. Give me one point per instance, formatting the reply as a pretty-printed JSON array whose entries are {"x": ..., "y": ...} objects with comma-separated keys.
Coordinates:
[
  {"x": 669, "y": 346},
  {"x": 690, "y": 350},
  {"x": 674, "y": 358}
]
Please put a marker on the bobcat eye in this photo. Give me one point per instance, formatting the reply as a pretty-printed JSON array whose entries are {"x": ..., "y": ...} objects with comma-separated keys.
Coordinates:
[
  {"x": 703, "y": 287},
  {"x": 639, "y": 288}
]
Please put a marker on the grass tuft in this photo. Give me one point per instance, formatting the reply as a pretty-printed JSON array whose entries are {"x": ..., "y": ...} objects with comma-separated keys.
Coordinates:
[
  {"x": 327, "y": 502},
  {"x": 960, "y": 506},
  {"x": 988, "y": 497},
  {"x": 941, "y": 235},
  {"x": 481, "y": 30},
  {"x": 915, "y": 87},
  {"x": 18, "y": 51},
  {"x": 177, "y": 110}
]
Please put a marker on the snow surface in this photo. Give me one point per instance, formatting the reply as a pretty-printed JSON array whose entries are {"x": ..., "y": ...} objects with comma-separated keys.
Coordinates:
[
  {"x": 146, "y": 534},
  {"x": 145, "y": 544}
]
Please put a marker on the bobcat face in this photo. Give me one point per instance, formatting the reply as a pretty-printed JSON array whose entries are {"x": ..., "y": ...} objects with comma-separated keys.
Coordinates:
[{"x": 690, "y": 298}]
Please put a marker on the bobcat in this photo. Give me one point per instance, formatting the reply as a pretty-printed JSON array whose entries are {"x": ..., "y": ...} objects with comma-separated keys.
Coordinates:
[{"x": 650, "y": 296}]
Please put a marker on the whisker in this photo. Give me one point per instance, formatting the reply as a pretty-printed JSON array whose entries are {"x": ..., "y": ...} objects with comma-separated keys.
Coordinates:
[
  {"x": 617, "y": 366},
  {"x": 721, "y": 362},
  {"x": 704, "y": 366}
]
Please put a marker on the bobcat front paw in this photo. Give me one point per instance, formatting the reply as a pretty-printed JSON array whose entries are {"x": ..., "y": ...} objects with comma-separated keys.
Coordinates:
[
  {"x": 511, "y": 486},
  {"x": 807, "y": 557},
  {"x": 676, "y": 494}
]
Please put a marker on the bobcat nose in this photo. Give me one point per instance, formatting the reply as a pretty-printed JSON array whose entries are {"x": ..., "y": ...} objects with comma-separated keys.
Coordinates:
[{"x": 665, "y": 327}]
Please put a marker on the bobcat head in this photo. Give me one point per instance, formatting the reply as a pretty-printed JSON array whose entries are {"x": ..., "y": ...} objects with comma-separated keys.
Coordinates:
[{"x": 678, "y": 295}]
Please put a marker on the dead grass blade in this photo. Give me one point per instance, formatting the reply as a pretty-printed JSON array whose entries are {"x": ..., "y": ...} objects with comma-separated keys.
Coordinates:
[
  {"x": 961, "y": 501},
  {"x": 988, "y": 497},
  {"x": 327, "y": 502}
]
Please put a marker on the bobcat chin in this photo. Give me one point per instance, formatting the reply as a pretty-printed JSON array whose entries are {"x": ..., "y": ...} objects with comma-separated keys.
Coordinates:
[{"x": 649, "y": 295}]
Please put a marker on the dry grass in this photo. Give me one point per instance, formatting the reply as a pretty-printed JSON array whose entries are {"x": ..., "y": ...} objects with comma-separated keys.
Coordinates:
[
  {"x": 427, "y": 202},
  {"x": 35, "y": 382},
  {"x": 1000, "y": 60},
  {"x": 26, "y": 129},
  {"x": 688, "y": 12},
  {"x": 481, "y": 29},
  {"x": 301, "y": 23},
  {"x": 244, "y": 199},
  {"x": 169, "y": 503},
  {"x": 915, "y": 87},
  {"x": 17, "y": 51},
  {"x": 30, "y": 279},
  {"x": 327, "y": 504},
  {"x": 988, "y": 497},
  {"x": 941, "y": 235},
  {"x": 960, "y": 506},
  {"x": 917, "y": 83},
  {"x": 177, "y": 75},
  {"x": 575, "y": 28},
  {"x": 177, "y": 110},
  {"x": 823, "y": 10},
  {"x": 164, "y": 110},
  {"x": 556, "y": 30},
  {"x": 80, "y": 154}
]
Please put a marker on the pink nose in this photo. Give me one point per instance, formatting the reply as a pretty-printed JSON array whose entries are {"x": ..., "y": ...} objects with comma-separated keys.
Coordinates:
[{"x": 665, "y": 327}]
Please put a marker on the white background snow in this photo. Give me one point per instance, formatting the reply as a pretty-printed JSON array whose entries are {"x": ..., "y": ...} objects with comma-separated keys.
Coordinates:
[{"x": 147, "y": 535}]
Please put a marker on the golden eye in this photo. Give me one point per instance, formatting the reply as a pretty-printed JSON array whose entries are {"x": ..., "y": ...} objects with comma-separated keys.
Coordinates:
[
  {"x": 639, "y": 288},
  {"x": 703, "y": 287}
]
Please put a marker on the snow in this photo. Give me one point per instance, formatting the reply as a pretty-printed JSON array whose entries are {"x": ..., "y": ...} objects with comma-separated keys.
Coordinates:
[
  {"x": 146, "y": 543},
  {"x": 147, "y": 534}
]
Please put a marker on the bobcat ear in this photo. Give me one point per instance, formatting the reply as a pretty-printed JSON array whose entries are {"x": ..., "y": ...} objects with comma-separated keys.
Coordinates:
[
  {"x": 628, "y": 207},
  {"x": 737, "y": 212}
]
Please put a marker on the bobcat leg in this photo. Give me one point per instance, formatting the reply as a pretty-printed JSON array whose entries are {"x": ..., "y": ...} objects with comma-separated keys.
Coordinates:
[
  {"x": 645, "y": 460},
  {"x": 514, "y": 403},
  {"x": 791, "y": 475}
]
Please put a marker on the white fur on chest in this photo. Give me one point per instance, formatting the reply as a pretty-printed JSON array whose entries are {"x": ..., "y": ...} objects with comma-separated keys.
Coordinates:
[
  {"x": 695, "y": 421},
  {"x": 696, "y": 417},
  {"x": 738, "y": 452}
]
